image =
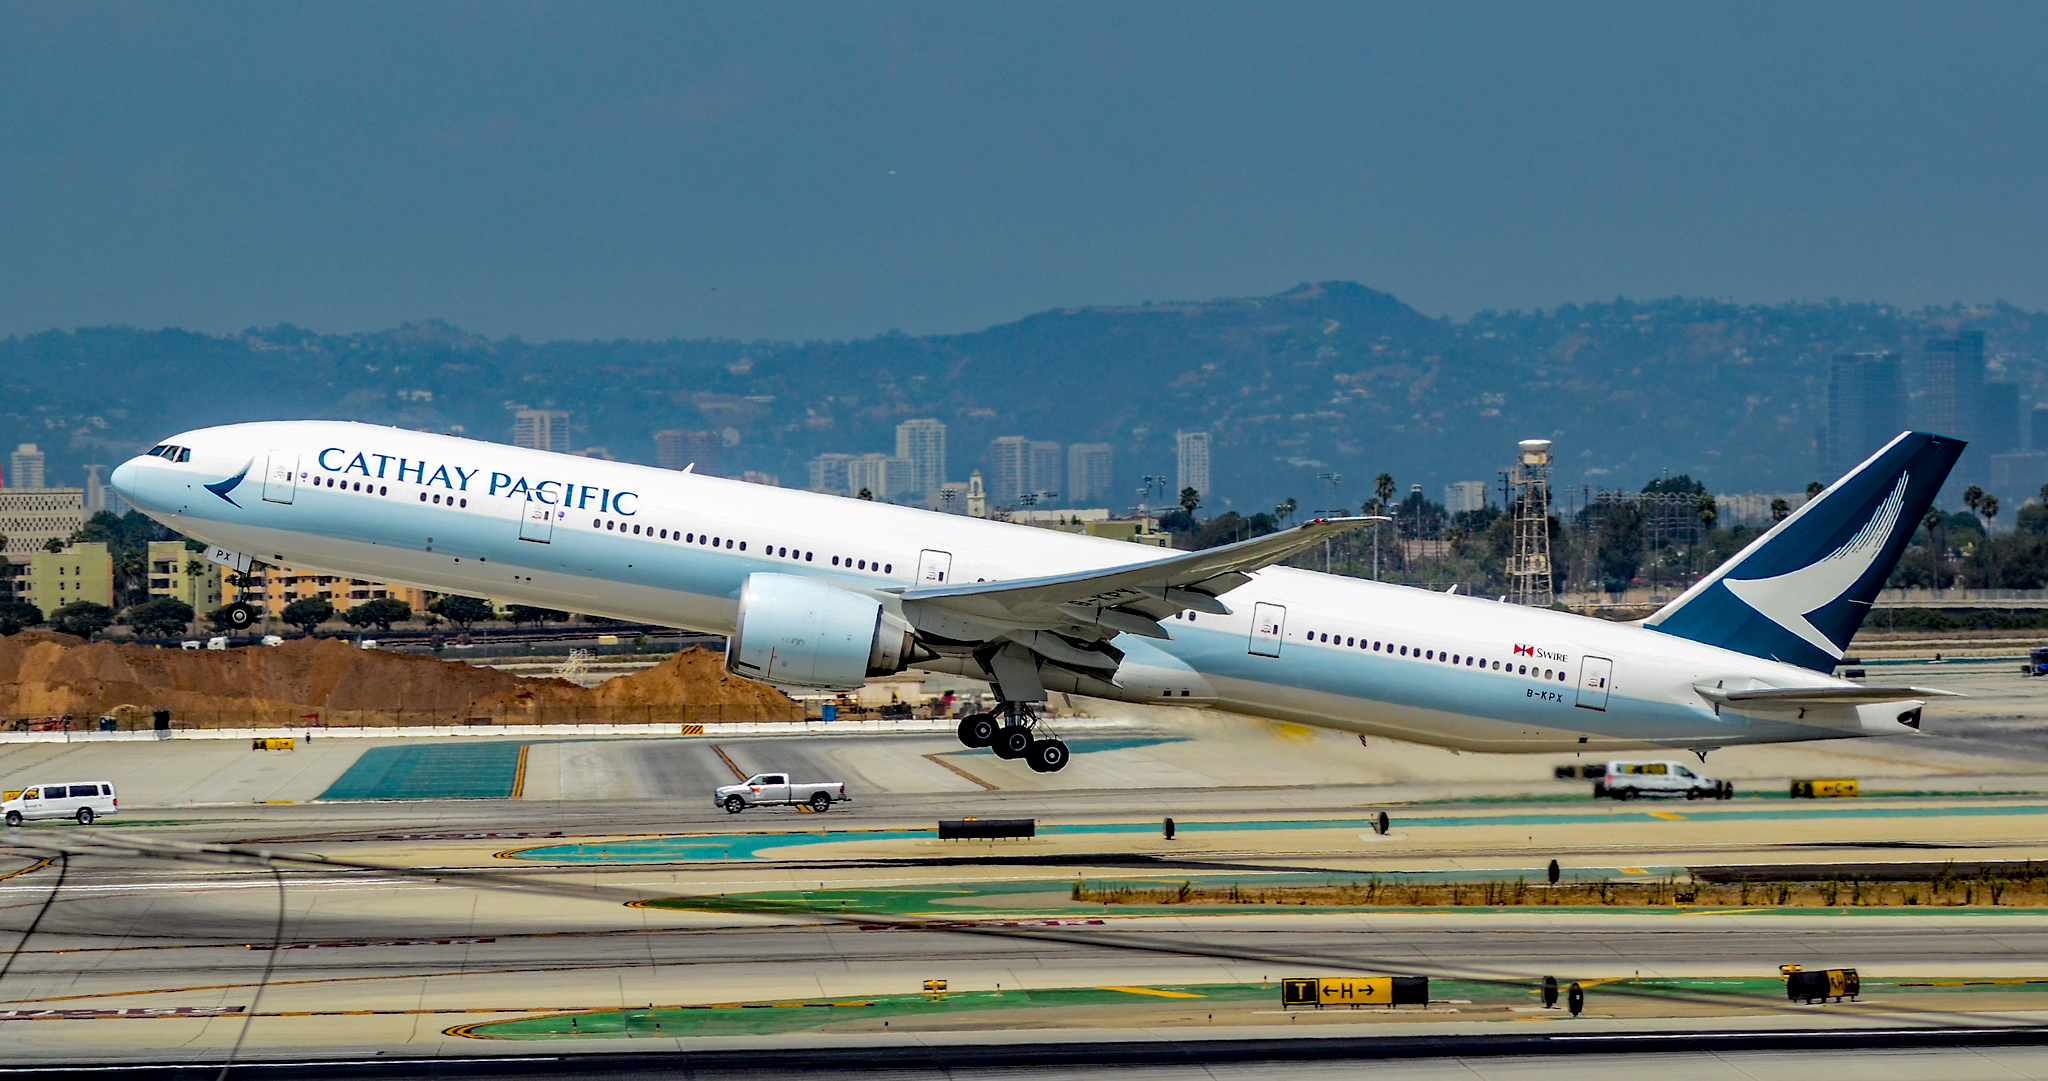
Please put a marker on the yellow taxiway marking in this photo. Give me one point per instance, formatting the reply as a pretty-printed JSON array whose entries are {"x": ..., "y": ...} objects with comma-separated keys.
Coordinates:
[
  {"x": 1152, "y": 991},
  {"x": 962, "y": 772},
  {"x": 1667, "y": 814},
  {"x": 1632, "y": 871}
]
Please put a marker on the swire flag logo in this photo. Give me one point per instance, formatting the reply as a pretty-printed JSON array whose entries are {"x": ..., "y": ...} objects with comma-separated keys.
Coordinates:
[{"x": 1524, "y": 651}]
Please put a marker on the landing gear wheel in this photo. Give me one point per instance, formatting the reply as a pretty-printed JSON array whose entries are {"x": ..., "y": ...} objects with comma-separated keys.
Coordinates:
[
  {"x": 241, "y": 617},
  {"x": 820, "y": 802},
  {"x": 734, "y": 805},
  {"x": 85, "y": 816},
  {"x": 1047, "y": 756},
  {"x": 977, "y": 730},
  {"x": 1012, "y": 743},
  {"x": 1626, "y": 794}
]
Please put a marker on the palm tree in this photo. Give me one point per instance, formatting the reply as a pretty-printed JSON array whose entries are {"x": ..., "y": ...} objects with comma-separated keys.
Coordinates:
[
  {"x": 1383, "y": 494},
  {"x": 1285, "y": 511},
  {"x": 1933, "y": 523}
]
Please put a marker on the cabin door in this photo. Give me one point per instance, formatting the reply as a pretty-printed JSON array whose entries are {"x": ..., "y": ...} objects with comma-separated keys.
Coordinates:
[
  {"x": 1594, "y": 675},
  {"x": 932, "y": 568},
  {"x": 281, "y": 480},
  {"x": 538, "y": 523},
  {"x": 1269, "y": 623}
]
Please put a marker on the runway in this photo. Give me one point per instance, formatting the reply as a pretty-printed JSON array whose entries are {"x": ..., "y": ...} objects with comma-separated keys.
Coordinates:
[{"x": 610, "y": 907}]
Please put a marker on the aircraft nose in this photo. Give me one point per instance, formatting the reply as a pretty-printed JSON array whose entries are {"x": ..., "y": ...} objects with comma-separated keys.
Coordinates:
[{"x": 124, "y": 480}]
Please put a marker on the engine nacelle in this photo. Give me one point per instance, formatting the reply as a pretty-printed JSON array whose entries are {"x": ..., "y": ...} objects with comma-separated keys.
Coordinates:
[{"x": 800, "y": 632}]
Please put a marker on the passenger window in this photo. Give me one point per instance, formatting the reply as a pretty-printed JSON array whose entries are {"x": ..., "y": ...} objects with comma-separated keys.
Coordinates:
[
  {"x": 743, "y": 546},
  {"x": 94, "y": 790},
  {"x": 1655, "y": 768},
  {"x": 1683, "y": 772},
  {"x": 775, "y": 778},
  {"x": 755, "y": 779}
]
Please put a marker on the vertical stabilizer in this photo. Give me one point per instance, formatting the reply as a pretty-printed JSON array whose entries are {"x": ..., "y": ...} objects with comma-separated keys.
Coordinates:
[{"x": 1798, "y": 593}]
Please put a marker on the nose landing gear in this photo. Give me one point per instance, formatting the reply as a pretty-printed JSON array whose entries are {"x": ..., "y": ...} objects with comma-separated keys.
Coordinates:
[{"x": 1012, "y": 733}]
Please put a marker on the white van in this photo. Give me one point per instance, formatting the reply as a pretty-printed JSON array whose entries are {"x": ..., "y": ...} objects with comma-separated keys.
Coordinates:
[
  {"x": 1627, "y": 780},
  {"x": 83, "y": 801}
]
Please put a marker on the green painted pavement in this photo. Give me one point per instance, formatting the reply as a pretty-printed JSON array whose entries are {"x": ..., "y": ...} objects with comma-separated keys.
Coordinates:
[
  {"x": 767, "y": 1018},
  {"x": 455, "y": 770},
  {"x": 748, "y": 845}
]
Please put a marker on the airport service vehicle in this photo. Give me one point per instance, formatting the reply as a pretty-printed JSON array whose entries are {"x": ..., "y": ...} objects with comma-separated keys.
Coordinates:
[
  {"x": 2037, "y": 661},
  {"x": 80, "y": 800},
  {"x": 818, "y": 593},
  {"x": 776, "y": 790},
  {"x": 1628, "y": 780}
]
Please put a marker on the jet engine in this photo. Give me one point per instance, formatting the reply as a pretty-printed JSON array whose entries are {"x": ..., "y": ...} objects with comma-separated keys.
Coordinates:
[{"x": 800, "y": 632}]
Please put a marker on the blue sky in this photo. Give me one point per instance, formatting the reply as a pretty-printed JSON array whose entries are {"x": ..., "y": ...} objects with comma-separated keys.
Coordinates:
[{"x": 833, "y": 170}]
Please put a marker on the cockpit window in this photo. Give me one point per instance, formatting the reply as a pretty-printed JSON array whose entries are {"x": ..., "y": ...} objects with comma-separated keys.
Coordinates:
[
  {"x": 184, "y": 454},
  {"x": 159, "y": 449}
]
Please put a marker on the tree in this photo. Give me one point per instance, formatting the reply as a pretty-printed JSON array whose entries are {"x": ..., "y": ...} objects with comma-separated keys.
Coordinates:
[
  {"x": 307, "y": 613},
  {"x": 1621, "y": 546},
  {"x": 53, "y": 545},
  {"x": 866, "y": 494},
  {"x": 1973, "y": 497},
  {"x": 1682, "y": 484},
  {"x": 1780, "y": 509},
  {"x": 82, "y": 618},
  {"x": 463, "y": 611},
  {"x": 16, "y": 613},
  {"x": 526, "y": 613},
  {"x": 1709, "y": 511},
  {"x": 1189, "y": 500},
  {"x": 1285, "y": 511},
  {"x": 380, "y": 613},
  {"x": 160, "y": 617},
  {"x": 1988, "y": 507}
]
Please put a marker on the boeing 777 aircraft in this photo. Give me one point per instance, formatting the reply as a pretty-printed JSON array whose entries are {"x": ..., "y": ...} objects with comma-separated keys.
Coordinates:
[{"x": 820, "y": 592}]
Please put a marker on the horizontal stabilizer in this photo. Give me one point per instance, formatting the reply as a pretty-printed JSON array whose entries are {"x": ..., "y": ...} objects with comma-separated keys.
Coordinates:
[{"x": 1810, "y": 697}]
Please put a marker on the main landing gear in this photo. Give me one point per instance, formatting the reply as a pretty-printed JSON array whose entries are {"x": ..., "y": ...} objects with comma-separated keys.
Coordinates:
[{"x": 1010, "y": 733}]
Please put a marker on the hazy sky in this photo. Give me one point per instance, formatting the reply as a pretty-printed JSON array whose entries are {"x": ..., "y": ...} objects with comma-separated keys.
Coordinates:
[{"x": 839, "y": 169}]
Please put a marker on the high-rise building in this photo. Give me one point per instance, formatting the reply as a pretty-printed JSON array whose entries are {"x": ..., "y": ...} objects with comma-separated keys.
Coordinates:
[
  {"x": 1464, "y": 495},
  {"x": 1866, "y": 408},
  {"x": 923, "y": 444},
  {"x": 2018, "y": 477},
  {"x": 30, "y": 518},
  {"x": 1194, "y": 462},
  {"x": 1998, "y": 418},
  {"x": 541, "y": 429},
  {"x": 25, "y": 467},
  {"x": 2039, "y": 428},
  {"x": 1089, "y": 468},
  {"x": 1046, "y": 477},
  {"x": 1953, "y": 383},
  {"x": 1009, "y": 470},
  {"x": 828, "y": 473},
  {"x": 677, "y": 449},
  {"x": 884, "y": 476}
]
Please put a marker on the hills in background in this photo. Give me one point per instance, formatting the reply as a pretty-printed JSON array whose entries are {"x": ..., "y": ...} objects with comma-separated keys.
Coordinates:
[{"x": 1330, "y": 377}]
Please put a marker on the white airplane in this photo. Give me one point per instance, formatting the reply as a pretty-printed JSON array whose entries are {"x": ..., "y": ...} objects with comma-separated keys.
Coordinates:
[{"x": 820, "y": 592}]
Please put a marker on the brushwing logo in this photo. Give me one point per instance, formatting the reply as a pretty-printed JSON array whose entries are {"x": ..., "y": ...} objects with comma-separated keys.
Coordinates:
[
  {"x": 221, "y": 488},
  {"x": 1524, "y": 651},
  {"x": 1788, "y": 599}
]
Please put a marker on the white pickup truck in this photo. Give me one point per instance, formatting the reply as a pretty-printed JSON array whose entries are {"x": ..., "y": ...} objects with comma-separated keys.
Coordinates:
[{"x": 774, "y": 790}]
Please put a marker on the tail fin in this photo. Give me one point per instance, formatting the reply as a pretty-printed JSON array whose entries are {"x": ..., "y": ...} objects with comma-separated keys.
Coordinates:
[{"x": 1798, "y": 593}]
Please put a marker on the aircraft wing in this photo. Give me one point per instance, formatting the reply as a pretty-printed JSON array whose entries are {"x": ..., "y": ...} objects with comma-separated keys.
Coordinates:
[{"x": 1095, "y": 605}]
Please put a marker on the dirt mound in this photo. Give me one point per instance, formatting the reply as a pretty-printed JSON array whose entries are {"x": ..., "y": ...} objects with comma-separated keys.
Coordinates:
[{"x": 328, "y": 681}]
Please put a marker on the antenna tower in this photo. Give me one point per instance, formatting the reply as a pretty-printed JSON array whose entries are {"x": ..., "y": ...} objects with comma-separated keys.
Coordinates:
[{"x": 1529, "y": 567}]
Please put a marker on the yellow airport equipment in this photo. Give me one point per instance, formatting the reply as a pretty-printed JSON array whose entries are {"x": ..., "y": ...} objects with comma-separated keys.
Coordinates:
[
  {"x": 935, "y": 988},
  {"x": 271, "y": 743},
  {"x": 1829, "y": 983},
  {"x": 1823, "y": 789},
  {"x": 692, "y": 730}
]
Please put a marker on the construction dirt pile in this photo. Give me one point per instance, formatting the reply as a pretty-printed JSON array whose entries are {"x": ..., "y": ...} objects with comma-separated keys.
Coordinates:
[{"x": 326, "y": 681}]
